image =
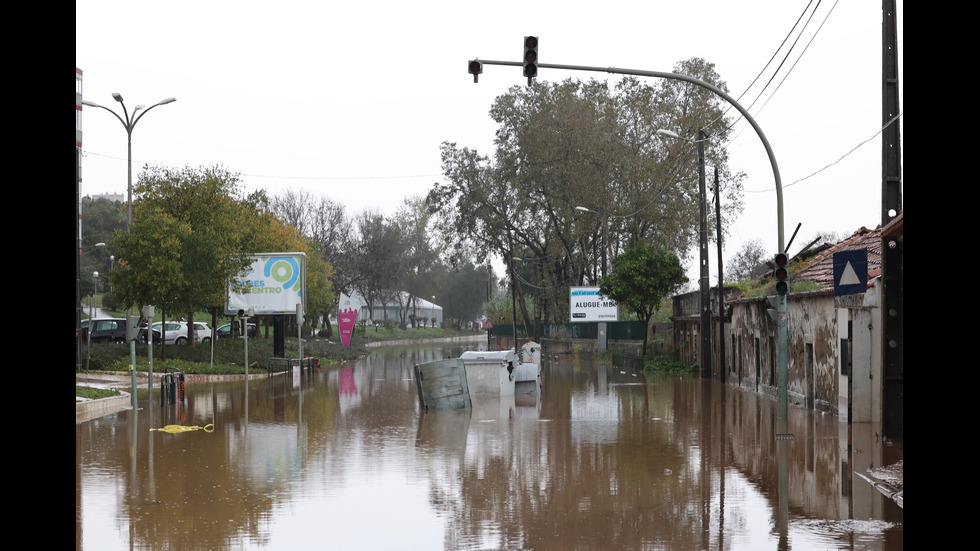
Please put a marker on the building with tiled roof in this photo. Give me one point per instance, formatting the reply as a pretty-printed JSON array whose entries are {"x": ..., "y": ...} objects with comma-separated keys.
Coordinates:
[{"x": 820, "y": 269}]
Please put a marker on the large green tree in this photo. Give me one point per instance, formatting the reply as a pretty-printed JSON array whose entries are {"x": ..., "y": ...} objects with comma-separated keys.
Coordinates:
[
  {"x": 187, "y": 240},
  {"x": 591, "y": 144},
  {"x": 642, "y": 276}
]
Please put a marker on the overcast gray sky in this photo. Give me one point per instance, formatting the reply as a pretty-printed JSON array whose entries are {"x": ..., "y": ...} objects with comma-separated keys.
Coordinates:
[{"x": 352, "y": 99}]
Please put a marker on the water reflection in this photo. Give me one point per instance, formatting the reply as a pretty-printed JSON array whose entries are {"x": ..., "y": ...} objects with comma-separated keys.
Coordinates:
[{"x": 603, "y": 459}]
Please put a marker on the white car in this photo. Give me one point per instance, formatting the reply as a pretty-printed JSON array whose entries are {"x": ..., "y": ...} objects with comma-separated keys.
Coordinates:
[
  {"x": 176, "y": 332},
  {"x": 202, "y": 331}
]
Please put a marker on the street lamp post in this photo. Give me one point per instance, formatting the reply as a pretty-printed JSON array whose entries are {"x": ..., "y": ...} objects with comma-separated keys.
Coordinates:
[
  {"x": 704, "y": 285},
  {"x": 129, "y": 122}
]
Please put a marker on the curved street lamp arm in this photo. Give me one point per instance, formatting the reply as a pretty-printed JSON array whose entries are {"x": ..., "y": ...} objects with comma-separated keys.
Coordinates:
[
  {"x": 147, "y": 110},
  {"x": 114, "y": 114}
]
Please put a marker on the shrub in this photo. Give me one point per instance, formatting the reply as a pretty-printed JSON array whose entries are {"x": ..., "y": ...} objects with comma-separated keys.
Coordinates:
[{"x": 663, "y": 364}]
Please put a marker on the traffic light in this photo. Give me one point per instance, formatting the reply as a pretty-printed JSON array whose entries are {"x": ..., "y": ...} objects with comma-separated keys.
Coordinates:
[
  {"x": 780, "y": 273},
  {"x": 476, "y": 69},
  {"x": 530, "y": 57}
]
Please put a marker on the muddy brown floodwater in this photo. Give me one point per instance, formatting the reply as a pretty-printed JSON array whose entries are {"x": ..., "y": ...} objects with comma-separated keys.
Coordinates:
[{"x": 603, "y": 459}]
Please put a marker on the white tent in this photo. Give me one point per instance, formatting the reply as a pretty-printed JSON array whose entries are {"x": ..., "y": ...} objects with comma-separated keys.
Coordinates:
[{"x": 421, "y": 308}]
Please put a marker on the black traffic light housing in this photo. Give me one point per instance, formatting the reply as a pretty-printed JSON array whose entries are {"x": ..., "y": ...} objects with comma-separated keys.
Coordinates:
[
  {"x": 530, "y": 60},
  {"x": 780, "y": 273},
  {"x": 475, "y": 69}
]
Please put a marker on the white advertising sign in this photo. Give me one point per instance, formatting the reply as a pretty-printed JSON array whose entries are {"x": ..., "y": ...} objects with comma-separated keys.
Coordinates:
[
  {"x": 586, "y": 304},
  {"x": 275, "y": 284}
]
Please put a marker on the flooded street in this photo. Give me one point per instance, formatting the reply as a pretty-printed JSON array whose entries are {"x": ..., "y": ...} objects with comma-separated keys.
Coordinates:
[{"x": 603, "y": 459}]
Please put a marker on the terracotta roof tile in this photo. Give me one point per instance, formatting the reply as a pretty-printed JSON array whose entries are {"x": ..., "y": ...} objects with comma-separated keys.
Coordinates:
[{"x": 820, "y": 269}]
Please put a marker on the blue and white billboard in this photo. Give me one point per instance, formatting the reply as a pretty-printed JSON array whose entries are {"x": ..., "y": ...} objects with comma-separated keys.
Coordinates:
[
  {"x": 586, "y": 304},
  {"x": 275, "y": 284}
]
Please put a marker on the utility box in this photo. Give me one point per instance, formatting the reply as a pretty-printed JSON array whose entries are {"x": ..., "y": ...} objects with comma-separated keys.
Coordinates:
[
  {"x": 527, "y": 375},
  {"x": 490, "y": 373}
]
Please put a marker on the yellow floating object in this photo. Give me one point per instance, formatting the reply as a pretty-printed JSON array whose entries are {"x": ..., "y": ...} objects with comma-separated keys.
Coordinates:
[{"x": 177, "y": 429}]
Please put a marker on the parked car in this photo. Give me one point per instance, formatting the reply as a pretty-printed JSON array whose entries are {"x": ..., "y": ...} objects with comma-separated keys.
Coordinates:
[
  {"x": 141, "y": 336},
  {"x": 202, "y": 331},
  {"x": 141, "y": 333},
  {"x": 105, "y": 329},
  {"x": 176, "y": 332},
  {"x": 224, "y": 331}
]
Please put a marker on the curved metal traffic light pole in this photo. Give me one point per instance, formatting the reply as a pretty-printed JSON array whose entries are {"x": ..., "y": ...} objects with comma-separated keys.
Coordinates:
[{"x": 782, "y": 349}]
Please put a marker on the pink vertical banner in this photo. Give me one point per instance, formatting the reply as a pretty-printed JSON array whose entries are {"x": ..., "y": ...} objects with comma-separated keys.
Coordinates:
[{"x": 346, "y": 317}]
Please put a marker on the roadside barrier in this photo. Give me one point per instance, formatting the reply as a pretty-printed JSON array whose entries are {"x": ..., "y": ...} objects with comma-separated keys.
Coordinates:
[{"x": 172, "y": 388}]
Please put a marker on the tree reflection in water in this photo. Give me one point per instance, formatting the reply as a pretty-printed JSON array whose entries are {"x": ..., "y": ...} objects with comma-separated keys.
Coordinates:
[{"x": 603, "y": 459}]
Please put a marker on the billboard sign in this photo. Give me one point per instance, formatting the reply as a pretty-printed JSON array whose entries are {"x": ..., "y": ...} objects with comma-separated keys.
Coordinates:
[
  {"x": 586, "y": 304},
  {"x": 274, "y": 284}
]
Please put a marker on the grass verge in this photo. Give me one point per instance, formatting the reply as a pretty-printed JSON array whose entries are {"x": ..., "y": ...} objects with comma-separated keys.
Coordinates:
[{"x": 95, "y": 393}]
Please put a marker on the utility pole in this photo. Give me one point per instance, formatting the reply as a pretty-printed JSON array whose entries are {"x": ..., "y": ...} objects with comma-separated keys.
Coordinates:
[
  {"x": 892, "y": 249},
  {"x": 720, "y": 337},
  {"x": 703, "y": 259}
]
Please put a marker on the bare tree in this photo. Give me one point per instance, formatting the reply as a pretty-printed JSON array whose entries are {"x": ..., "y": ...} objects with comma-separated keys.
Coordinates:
[{"x": 749, "y": 262}]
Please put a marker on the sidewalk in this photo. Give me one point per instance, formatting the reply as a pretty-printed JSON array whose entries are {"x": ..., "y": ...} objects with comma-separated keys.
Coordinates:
[{"x": 889, "y": 481}]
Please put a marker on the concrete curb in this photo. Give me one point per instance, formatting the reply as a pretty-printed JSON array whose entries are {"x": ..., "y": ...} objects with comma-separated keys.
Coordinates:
[{"x": 87, "y": 410}]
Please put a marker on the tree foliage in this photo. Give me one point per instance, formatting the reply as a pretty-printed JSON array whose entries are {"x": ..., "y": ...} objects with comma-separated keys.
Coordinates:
[
  {"x": 186, "y": 239},
  {"x": 328, "y": 227},
  {"x": 193, "y": 231},
  {"x": 465, "y": 293},
  {"x": 421, "y": 255},
  {"x": 268, "y": 233},
  {"x": 380, "y": 260},
  {"x": 150, "y": 270},
  {"x": 101, "y": 218},
  {"x": 642, "y": 276},
  {"x": 567, "y": 144}
]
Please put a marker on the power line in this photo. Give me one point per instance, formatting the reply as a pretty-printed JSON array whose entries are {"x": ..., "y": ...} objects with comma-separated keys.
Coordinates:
[
  {"x": 841, "y": 158},
  {"x": 807, "y": 47}
]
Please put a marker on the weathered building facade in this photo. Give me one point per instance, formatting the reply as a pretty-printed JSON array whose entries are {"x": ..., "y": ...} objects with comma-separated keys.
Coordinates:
[
  {"x": 820, "y": 344},
  {"x": 834, "y": 342}
]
